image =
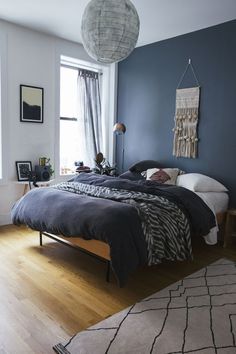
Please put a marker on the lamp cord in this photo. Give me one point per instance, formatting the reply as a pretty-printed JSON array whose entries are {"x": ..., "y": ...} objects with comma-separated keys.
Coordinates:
[{"x": 123, "y": 153}]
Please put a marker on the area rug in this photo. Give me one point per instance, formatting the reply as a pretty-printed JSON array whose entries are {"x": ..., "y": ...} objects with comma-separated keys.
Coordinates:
[{"x": 194, "y": 315}]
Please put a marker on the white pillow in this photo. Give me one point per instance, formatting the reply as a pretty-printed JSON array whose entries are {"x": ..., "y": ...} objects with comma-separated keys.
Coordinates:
[
  {"x": 166, "y": 175},
  {"x": 197, "y": 182}
]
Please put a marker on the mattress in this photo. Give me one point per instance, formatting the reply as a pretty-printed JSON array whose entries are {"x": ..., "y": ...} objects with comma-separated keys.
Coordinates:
[{"x": 217, "y": 201}]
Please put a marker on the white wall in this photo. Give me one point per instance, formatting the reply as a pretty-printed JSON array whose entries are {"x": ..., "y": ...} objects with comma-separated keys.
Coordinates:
[{"x": 33, "y": 59}]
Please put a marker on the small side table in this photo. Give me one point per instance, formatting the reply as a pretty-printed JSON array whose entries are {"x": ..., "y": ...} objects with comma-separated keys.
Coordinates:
[
  {"x": 229, "y": 229},
  {"x": 39, "y": 183}
]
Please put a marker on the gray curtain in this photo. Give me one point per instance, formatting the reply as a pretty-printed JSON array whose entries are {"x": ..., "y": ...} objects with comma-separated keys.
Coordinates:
[{"x": 90, "y": 110}]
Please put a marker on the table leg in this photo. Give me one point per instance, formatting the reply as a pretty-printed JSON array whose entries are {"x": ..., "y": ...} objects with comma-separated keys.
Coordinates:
[{"x": 25, "y": 189}]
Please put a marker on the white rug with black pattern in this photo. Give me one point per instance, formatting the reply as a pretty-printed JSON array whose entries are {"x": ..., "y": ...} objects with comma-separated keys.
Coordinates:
[{"x": 194, "y": 315}]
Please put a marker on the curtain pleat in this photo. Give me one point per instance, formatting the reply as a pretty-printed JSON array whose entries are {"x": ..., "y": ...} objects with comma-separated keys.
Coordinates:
[{"x": 90, "y": 113}]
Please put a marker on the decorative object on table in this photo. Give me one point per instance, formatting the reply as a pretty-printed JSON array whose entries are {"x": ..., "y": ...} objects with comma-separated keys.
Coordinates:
[
  {"x": 79, "y": 163},
  {"x": 86, "y": 169},
  {"x": 193, "y": 315},
  {"x": 81, "y": 168},
  {"x": 32, "y": 179},
  {"x": 44, "y": 169},
  {"x": 42, "y": 173},
  {"x": 103, "y": 166},
  {"x": 186, "y": 118},
  {"x": 110, "y": 29},
  {"x": 120, "y": 129},
  {"x": 24, "y": 170},
  {"x": 31, "y": 104},
  {"x": 46, "y": 162},
  {"x": 43, "y": 161}
]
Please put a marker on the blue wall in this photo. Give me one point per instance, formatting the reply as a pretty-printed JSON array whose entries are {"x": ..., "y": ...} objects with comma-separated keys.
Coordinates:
[{"x": 146, "y": 101}]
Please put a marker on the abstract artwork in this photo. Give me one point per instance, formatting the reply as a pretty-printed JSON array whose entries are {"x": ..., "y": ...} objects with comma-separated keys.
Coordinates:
[
  {"x": 31, "y": 104},
  {"x": 23, "y": 169}
]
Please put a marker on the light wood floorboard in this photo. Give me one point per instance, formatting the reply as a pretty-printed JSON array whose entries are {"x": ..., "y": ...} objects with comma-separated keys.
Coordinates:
[{"x": 49, "y": 293}]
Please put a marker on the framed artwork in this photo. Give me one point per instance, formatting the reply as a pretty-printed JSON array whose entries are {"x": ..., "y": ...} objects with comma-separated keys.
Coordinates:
[
  {"x": 31, "y": 104},
  {"x": 23, "y": 168}
]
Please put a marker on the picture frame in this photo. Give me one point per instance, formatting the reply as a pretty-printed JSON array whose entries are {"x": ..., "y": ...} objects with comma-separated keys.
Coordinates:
[
  {"x": 23, "y": 168},
  {"x": 31, "y": 104}
]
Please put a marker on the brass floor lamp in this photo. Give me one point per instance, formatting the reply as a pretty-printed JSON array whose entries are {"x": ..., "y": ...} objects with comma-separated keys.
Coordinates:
[{"x": 120, "y": 129}]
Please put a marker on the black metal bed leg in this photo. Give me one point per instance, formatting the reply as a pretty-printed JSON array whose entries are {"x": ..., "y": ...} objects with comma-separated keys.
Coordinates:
[
  {"x": 57, "y": 238},
  {"x": 40, "y": 238},
  {"x": 108, "y": 271}
]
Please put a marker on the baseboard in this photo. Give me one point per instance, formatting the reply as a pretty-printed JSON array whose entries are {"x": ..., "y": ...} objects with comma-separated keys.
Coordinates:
[{"x": 5, "y": 219}]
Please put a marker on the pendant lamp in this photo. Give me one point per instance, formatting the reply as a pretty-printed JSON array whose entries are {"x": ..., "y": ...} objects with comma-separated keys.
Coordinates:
[{"x": 110, "y": 29}]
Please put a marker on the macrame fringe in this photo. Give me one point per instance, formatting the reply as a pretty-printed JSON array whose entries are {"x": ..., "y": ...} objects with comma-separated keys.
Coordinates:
[{"x": 186, "y": 122}]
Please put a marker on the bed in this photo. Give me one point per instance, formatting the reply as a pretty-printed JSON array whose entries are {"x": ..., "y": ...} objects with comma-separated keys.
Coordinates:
[
  {"x": 217, "y": 201},
  {"x": 127, "y": 223}
]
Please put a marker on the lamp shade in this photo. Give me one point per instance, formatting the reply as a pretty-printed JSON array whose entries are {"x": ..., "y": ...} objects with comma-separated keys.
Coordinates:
[
  {"x": 119, "y": 128},
  {"x": 110, "y": 29}
]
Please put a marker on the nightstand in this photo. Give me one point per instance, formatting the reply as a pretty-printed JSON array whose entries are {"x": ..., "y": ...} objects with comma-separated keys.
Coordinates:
[
  {"x": 230, "y": 227},
  {"x": 40, "y": 184}
]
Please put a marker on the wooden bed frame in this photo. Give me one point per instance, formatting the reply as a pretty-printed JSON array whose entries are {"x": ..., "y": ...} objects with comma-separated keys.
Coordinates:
[
  {"x": 221, "y": 217},
  {"x": 96, "y": 248}
]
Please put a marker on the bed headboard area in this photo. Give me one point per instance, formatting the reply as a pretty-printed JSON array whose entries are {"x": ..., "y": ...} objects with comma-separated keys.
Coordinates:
[{"x": 147, "y": 82}]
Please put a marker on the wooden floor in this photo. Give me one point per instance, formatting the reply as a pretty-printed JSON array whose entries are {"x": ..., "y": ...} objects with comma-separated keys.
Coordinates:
[{"x": 49, "y": 293}]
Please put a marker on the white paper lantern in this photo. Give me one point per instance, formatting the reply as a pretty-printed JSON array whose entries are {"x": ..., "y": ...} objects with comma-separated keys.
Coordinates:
[{"x": 110, "y": 29}]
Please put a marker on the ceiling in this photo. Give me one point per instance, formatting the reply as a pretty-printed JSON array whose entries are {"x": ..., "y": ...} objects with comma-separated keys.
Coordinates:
[{"x": 160, "y": 19}]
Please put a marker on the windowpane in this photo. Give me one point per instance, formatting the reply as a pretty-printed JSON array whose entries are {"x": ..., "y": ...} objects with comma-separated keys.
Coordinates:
[
  {"x": 68, "y": 93},
  {"x": 69, "y": 130},
  {"x": 69, "y": 145}
]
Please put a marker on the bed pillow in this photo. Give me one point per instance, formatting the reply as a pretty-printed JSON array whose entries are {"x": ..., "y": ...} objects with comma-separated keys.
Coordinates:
[
  {"x": 133, "y": 176},
  {"x": 197, "y": 182},
  {"x": 144, "y": 165},
  {"x": 163, "y": 175}
]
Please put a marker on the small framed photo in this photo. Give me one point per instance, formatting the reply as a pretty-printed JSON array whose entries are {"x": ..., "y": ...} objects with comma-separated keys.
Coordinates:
[
  {"x": 23, "y": 169},
  {"x": 31, "y": 104}
]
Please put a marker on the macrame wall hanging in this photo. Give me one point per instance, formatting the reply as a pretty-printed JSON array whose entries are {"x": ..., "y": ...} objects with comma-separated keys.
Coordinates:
[{"x": 186, "y": 118}]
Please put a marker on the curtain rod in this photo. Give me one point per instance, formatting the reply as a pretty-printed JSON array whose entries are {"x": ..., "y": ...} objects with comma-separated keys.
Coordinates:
[{"x": 83, "y": 67}]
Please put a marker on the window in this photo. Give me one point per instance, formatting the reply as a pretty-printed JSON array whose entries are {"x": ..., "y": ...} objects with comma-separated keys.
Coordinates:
[
  {"x": 69, "y": 142},
  {"x": 71, "y": 125},
  {"x": 83, "y": 129}
]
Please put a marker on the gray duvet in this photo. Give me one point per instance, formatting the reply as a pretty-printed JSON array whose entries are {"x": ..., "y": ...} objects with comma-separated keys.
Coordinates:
[{"x": 118, "y": 223}]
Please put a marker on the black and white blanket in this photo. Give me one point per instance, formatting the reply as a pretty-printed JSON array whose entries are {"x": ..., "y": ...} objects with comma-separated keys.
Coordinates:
[
  {"x": 165, "y": 226},
  {"x": 141, "y": 221}
]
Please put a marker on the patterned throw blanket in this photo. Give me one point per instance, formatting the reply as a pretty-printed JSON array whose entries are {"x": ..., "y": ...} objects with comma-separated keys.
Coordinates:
[{"x": 165, "y": 226}]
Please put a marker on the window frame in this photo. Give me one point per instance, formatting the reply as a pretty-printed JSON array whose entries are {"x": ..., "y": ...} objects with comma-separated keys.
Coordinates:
[
  {"x": 77, "y": 57},
  {"x": 73, "y": 119}
]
